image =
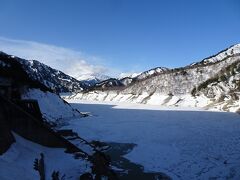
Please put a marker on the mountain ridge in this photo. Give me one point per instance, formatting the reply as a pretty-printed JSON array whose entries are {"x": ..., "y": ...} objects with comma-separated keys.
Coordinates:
[
  {"x": 51, "y": 78},
  {"x": 172, "y": 86}
]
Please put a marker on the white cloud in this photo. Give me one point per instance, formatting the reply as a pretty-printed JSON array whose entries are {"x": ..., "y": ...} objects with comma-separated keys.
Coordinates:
[{"x": 71, "y": 62}]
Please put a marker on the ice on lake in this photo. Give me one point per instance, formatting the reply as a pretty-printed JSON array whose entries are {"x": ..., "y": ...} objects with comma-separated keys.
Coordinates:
[{"x": 182, "y": 143}]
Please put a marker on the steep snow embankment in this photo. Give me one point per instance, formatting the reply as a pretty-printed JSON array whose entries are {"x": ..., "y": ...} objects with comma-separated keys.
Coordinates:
[
  {"x": 145, "y": 98},
  {"x": 51, "y": 105}
]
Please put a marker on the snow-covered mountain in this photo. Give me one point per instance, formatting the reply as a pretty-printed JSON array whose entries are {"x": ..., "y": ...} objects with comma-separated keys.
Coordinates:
[
  {"x": 113, "y": 83},
  {"x": 160, "y": 85},
  {"x": 129, "y": 75},
  {"x": 91, "y": 80},
  {"x": 97, "y": 76},
  {"x": 175, "y": 87},
  {"x": 108, "y": 84},
  {"x": 53, "y": 79},
  {"x": 220, "y": 56},
  {"x": 150, "y": 73},
  {"x": 144, "y": 75}
]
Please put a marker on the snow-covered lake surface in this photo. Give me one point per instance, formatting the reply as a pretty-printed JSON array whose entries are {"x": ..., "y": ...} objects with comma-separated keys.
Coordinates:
[{"x": 182, "y": 143}]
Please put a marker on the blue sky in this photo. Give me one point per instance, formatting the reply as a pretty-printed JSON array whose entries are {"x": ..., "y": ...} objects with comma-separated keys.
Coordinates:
[{"x": 126, "y": 35}]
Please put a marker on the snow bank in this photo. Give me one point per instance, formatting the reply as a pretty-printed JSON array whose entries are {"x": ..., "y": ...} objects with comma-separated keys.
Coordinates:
[
  {"x": 51, "y": 105},
  {"x": 186, "y": 100},
  {"x": 17, "y": 162}
]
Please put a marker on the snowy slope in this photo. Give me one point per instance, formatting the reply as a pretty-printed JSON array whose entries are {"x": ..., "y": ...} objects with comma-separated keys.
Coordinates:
[
  {"x": 17, "y": 162},
  {"x": 53, "y": 108}
]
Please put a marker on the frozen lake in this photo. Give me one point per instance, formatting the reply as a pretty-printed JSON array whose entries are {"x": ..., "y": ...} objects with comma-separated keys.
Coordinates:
[{"x": 182, "y": 143}]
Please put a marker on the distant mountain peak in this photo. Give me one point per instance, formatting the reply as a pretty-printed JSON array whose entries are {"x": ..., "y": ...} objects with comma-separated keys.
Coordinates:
[
  {"x": 151, "y": 72},
  {"x": 128, "y": 75},
  {"x": 92, "y": 79}
]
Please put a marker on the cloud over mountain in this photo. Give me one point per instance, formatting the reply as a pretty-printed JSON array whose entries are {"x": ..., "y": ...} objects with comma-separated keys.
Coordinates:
[{"x": 74, "y": 63}]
